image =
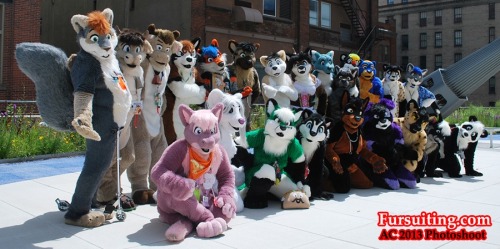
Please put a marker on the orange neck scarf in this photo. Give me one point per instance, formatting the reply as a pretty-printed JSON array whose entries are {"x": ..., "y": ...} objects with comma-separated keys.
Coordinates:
[{"x": 197, "y": 165}]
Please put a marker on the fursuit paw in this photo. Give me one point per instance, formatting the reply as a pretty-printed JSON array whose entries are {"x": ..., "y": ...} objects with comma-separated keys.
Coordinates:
[
  {"x": 434, "y": 174},
  {"x": 179, "y": 230},
  {"x": 305, "y": 188},
  {"x": 227, "y": 205},
  {"x": 83, "y": 125},
  {"x": 92, "y": 219},
  {"x": 212, "y": 228},
  {"x": 186, "y": 190},
  {"x": 337, "y": 167},
  {"x": 269, "y": 91},
  {"x": 143, "y": 197},
  {"x": 474, "y": 173}
]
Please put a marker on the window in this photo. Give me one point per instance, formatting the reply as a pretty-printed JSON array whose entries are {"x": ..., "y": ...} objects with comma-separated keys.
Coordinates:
[
  {"x": 438, "y": 39},
  {"x": 285, "y": 9},
  {"x": 458, "y": 38},
  {"x": 491, "y": 85},
  {"x": 384, "y": 53},
  {"x": 423, "y": 19},
  {"x": 438, "y": 17},
  {"x": 404, "y": 21},
  {"x": 438, "y": 61},
  {"x": 404, "y": 42},
  {"x": 423, "y": 40},
  {"x": 491, "y": 11},
  {"x": 326, "y": 15},
  {"x": 404, "y": 1},
  {"x": 457, "y": 57},
  {"x": 390, "y": 2},
  {"x": 491, "y": 34},
  {"x": 313, "y": 12},
  {"x": 423, "y": 61},
  {"x": 457, "y": 13},
  {"x": 404, "y": 61},
  {"x": 270, "y": 7}
]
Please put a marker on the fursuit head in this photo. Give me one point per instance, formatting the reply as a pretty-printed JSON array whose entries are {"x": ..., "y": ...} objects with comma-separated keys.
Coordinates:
[
  {"x": 469, "y": 132},
  {"x": 233, "y": 118},
  {"x": 132, "y": 48},
  {"x": 212, "y": 59},
  {"x": 416, "y": 118},
  {"x": 323, "y": 68},
  {"x": 414, "y": 74},
  {"x": 276, "y": 84},
  {"x": 274, "y": 64},
  {"x": 313, "y": 130},
  {"x": 299, "y": 66},
  {"x": 280, "y": 127},
  {"x": 345, "y": 79},
  {"x": 353, "y": 111},
  {"x": 379, "y": 115},
  {"x": 185, "y": 59},
  {"x": 243, "y": 53}
]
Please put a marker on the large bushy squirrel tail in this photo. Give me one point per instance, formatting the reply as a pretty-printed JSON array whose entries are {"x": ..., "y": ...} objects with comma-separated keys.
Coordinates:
[{"x": 46, "y": 66}]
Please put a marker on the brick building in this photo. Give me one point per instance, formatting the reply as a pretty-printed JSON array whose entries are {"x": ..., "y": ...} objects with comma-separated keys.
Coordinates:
[
  {"x": 344, "y": 26},
  {"x": 437, "y": 33}
]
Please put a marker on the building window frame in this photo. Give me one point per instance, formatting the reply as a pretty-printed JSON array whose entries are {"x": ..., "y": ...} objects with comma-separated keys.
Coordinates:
[
  {"x": 438, "y": 61},
  {"x": 326, "y": 23},
  {"x": 404, "y": 21},
  {"x": 313, "y": 12},
  {"x": 423, "y": 19},
  {"x": 491, "y": 34},
  {"x": 492, "y": 85},
  {"x": 272, "y": 11},
  {"x": 438, "y": 17},
  {"x": 405, "y": 42},
  {"x": 404, "y": 2},
  {"x": 404, "y": 61},
  {"x": 423, "y": 40},
  {"x": 457, "y": 57},
  {"x": 457, "y": 15},
  {"x": 491, "y": 11},
  {"x": 438, "y": 39},
  {"x": 390, "y": 2},
  {"x": 457, "y": 38},
  {"x": 423, "y": 61}
]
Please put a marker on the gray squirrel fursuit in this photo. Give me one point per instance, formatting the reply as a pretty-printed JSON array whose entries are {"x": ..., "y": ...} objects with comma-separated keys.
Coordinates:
[{"x": 93, "y": 97}]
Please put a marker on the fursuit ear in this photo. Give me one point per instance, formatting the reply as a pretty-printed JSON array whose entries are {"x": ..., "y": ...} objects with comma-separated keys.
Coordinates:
[
  {"x": 424, "y": 71},
  {"x": 176, "y": 34},
  {"x": 344, "y": 99},
  {"x": 336, "y": 69},
  {"x": 217, "y": 111},
  {"x": 232, "y": 44},
  {"x": 146, "y": 47},
  {"x": 196, "y": 43},
  {"x": 386, "y": 67},
  {"x": 315, "y": 55},
  {"x": 215, "y": 43},
  {"x": 354, "y": 72},
  {"x": 108, "y": 13},
  {"x": 306, "y": 113},
  {"x": 185, "y": 114},
  {"x": 328, "y": 122},
  {"x": 257, "y": 45},
  {"x": 215, "y": 96},
  {"x": 176, "y": 47},
  {"x": 343, "y": 57},
  {"x": 117, "y": 29},
  {"x": 263, "y": 60},
  {"x": 151, "y": 29},
  {"x": 330, "y": 54},
  {"x": 79, "y": 22},
  {"x": 271, "y": 106},
  {"x": 282, "y": 55},
  {"x": 410, "y": 67},
  {"x": 365, "y": 103}
]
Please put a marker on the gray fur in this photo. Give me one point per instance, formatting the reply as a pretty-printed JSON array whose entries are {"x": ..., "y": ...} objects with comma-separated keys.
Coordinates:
[{"x": 45, "y": 65}]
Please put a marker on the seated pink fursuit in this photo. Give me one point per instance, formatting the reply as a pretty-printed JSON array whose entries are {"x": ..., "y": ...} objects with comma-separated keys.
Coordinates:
[{"x": 195, "y": 179}]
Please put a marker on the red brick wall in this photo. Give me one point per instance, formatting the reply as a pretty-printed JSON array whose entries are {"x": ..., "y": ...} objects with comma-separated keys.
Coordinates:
[{"x": 21, "y": 24}]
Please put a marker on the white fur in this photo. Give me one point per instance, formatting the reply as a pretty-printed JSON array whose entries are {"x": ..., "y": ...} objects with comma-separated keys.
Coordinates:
[
  {"x": 151, "y": 117},
  {"x": 186, "y": 91},
  {"x": 276, "y": 84},
  {"x": 392, "y": 87},
  {"x": 274, "y": 143}
]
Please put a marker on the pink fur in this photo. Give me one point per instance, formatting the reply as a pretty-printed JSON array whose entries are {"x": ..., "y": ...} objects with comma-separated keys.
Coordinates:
[{"x": 176, "y": 201}]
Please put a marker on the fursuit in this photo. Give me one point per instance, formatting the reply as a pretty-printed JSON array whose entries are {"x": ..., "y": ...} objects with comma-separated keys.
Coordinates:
[
  {"x": 393, "y": 87},
  {"x": 414, "y": 90},
  {"x": 276, "y": 84}
]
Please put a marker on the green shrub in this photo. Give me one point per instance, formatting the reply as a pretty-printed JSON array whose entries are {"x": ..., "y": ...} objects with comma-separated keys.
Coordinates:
[{"x": 489, "y": 116}]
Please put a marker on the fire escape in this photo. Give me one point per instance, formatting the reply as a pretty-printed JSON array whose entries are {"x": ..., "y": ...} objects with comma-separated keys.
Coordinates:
[{"x": 361, "y": 29}]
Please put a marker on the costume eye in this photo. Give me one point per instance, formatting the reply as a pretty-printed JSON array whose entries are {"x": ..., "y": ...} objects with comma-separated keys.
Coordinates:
[
  {"x": 210, "y": 60},
  {"x": 159, "y": 47},
  {"x": 277, "y": 120},
  {"x": 349, "y": 110},
  {"x": 375, "y": 116},
  {"x": 243, "y": 55},
  {"x": 167, "y": 49},
  {"x": 94, "y": 38},
  {"x": 108, "y": 36},
  {"x": 309, "y": 125},
  {"x": 323, "y": 63},
  {"x": 213, "y": 131},
  {"x": 137, "y": 49},
  {"x": 231, "y": 110},
  {"x": 320, "y": 130},
  {"x": 197, "y": 130},
  {"x": 126, "y": 48}
]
